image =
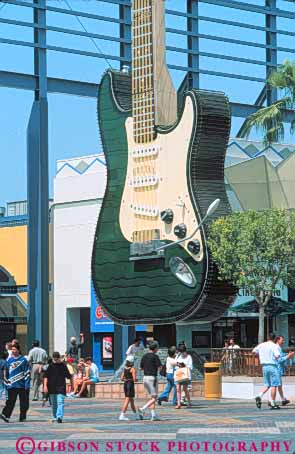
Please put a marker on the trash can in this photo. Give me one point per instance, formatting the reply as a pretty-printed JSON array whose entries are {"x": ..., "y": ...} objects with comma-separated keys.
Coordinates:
[{"x": 213, "y": 383}]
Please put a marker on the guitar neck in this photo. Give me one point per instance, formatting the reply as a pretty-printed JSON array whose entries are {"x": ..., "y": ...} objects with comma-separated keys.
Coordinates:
[{"x": 143, "y": 96}]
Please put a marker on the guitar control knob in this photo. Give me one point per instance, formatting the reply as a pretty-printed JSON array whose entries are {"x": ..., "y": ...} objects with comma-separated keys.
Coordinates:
[
  {"x": 194, "y": 247},
  {"x": 180, "y": 230},
  {"x": 167, "y": 216}
]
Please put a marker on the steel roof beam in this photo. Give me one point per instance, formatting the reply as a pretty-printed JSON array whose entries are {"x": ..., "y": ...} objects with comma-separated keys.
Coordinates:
[{"x": 54, "y": 85}]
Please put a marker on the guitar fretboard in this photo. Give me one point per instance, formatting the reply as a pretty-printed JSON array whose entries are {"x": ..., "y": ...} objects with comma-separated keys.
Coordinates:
[{"x": 143, "y": 99}]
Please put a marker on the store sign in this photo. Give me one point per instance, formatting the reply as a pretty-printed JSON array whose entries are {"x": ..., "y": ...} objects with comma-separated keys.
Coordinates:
[
  {"x": 244, "y": 295},
  {"x": 100, "y": 323}
]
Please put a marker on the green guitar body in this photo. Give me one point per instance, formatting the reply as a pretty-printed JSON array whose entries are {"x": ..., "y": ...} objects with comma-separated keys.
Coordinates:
[{"x": 145, "y": 291}]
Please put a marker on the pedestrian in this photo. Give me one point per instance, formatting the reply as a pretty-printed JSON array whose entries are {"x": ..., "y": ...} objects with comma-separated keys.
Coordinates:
[
  {"x": 184, "y": 360},
  {"x": 225, "y": 356},
  {"x": 135, "y": 347},
  {"x": 170, "y": 368},
  {"x": 8, "y": 346},
  {"x": 269, "y": 354},
  {"x": 37, "y": 357},
  {"x": 45, "y": 396},
  {"x": 92, "y": 376},
  {"x": 233, "y": 354},
  {"x": 74, "y": 349},
  {"x": 2, "y": 372},
  {"x": 129, "y": 378},
  {"x": 17, "y": 381},
  {"x": 283, "y": 360},
  {"x": 150, "y": 363},
  {"x": 55, "y": 385}
]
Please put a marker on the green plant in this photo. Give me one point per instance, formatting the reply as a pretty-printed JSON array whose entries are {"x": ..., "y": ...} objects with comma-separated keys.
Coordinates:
[
  {"x": 255, "y": 250},
  {"x": 269, "y": 119}
]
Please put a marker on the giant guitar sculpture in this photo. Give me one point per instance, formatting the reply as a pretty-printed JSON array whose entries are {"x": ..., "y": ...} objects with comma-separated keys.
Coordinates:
[{"x": 164, "y": 168}]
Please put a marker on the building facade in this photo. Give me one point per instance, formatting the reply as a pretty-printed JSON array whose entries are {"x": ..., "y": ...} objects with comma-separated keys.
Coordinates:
[{"x": 79, "y": 187}]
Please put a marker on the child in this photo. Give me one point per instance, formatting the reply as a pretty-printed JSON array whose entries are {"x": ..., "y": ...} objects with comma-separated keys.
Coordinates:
[
  {"x": 129, "y": 378},
  {"x": 55, "y": 384}
]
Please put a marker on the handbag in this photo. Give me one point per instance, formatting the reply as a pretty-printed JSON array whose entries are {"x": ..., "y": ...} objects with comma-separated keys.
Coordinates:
[{"x": 182, "y": 375}]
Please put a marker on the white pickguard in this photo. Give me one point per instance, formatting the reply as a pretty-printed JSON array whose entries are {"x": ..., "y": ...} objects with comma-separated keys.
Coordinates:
[{"x": 165, "y": 167}]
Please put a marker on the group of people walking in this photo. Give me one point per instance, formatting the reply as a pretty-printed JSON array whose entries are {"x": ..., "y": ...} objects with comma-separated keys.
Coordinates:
[
  {"x": 67, "y": 375},
  {"x": 274, "y": 362},
  {"x": 55, "y": 377},
  {"x": 177, "y": 369}
]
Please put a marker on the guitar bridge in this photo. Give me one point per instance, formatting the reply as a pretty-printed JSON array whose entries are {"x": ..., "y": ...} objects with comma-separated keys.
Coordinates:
[{"x": 146, "y": 250}]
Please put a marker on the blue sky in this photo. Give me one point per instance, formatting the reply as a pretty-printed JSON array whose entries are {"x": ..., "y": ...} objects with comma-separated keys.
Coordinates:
[{"x": 73, "y": 127}]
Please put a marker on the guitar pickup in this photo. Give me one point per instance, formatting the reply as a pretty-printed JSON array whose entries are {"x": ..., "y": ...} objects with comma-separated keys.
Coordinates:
[{"x": 146, "y": 250}]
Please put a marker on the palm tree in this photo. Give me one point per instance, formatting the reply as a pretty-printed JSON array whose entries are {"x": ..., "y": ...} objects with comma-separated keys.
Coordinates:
[{"x": 269, "y": 119}]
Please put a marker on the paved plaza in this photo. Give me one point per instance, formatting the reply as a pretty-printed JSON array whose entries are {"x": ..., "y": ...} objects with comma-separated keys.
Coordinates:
[{"x": 90, "y": 420}]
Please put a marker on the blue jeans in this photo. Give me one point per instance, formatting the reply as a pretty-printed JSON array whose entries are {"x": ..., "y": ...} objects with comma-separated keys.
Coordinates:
[
  {"x": 57, "y": 405},
  {"x": 170, "y": 385}
]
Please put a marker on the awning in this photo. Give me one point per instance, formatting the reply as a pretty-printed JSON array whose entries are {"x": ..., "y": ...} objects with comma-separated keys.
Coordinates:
[
  {"x": 12, "y": 306},
  {"x": 275, "y": 307}
]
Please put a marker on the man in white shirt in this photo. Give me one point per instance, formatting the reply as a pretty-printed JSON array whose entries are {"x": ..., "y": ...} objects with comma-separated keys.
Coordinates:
[
  {"x": 37, "y": 357},
  {"x": 232, "y": 355},
  {"x": 269, "y": 354},
  {"x": 134, "y": 348}
]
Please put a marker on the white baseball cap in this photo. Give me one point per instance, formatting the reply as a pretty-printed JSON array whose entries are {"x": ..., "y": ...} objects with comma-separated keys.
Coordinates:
[{"x": 130, "y": 359}]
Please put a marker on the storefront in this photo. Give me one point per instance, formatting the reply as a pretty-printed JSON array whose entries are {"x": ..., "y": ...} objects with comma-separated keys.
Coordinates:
[{"x": 110, "y": 341}]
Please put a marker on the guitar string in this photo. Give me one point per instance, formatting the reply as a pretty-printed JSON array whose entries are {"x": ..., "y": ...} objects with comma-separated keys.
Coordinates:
[{"x": 142, "y": 87}]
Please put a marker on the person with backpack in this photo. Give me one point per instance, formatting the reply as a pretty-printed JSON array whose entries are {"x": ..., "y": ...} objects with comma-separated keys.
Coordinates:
[
  {"x": 168, "y": 372},
  {"x": 129, "y": 378}
]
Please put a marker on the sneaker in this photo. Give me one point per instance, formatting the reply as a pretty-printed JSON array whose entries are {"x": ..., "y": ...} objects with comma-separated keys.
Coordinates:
[
  {"x": 159, "y": 402},
  {"x": 258, "y": 401},
  {"x": 59, "y": 420},
  {"x": 285, "y": 402},
  {"x": 22, "y": 419},
  {"x": 155, "y": 418},
  {"x": 140, "y": 413},
  {"x": 274, "y": 407},
  {"x": 53, "y": 420},
  {"x": 35, "y": 399},
  {"x": 4, "y": 417},
  {"x": 123, "y": 418}
]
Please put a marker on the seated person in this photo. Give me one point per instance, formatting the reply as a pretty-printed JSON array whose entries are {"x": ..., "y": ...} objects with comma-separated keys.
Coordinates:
[
  {"x": 91, "y": 377},
  {"x": 69, "y": 363},
  {"x": 78, "y": 377}
]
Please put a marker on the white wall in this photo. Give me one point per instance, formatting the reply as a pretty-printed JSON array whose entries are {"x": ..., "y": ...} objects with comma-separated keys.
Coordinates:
[{"x": 77, "y": 201}]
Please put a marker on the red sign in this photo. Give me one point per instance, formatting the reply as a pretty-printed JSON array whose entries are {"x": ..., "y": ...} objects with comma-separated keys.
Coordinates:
[
  {"x": 107, "y": 348},
  {"x": 99, "y": 313}
]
